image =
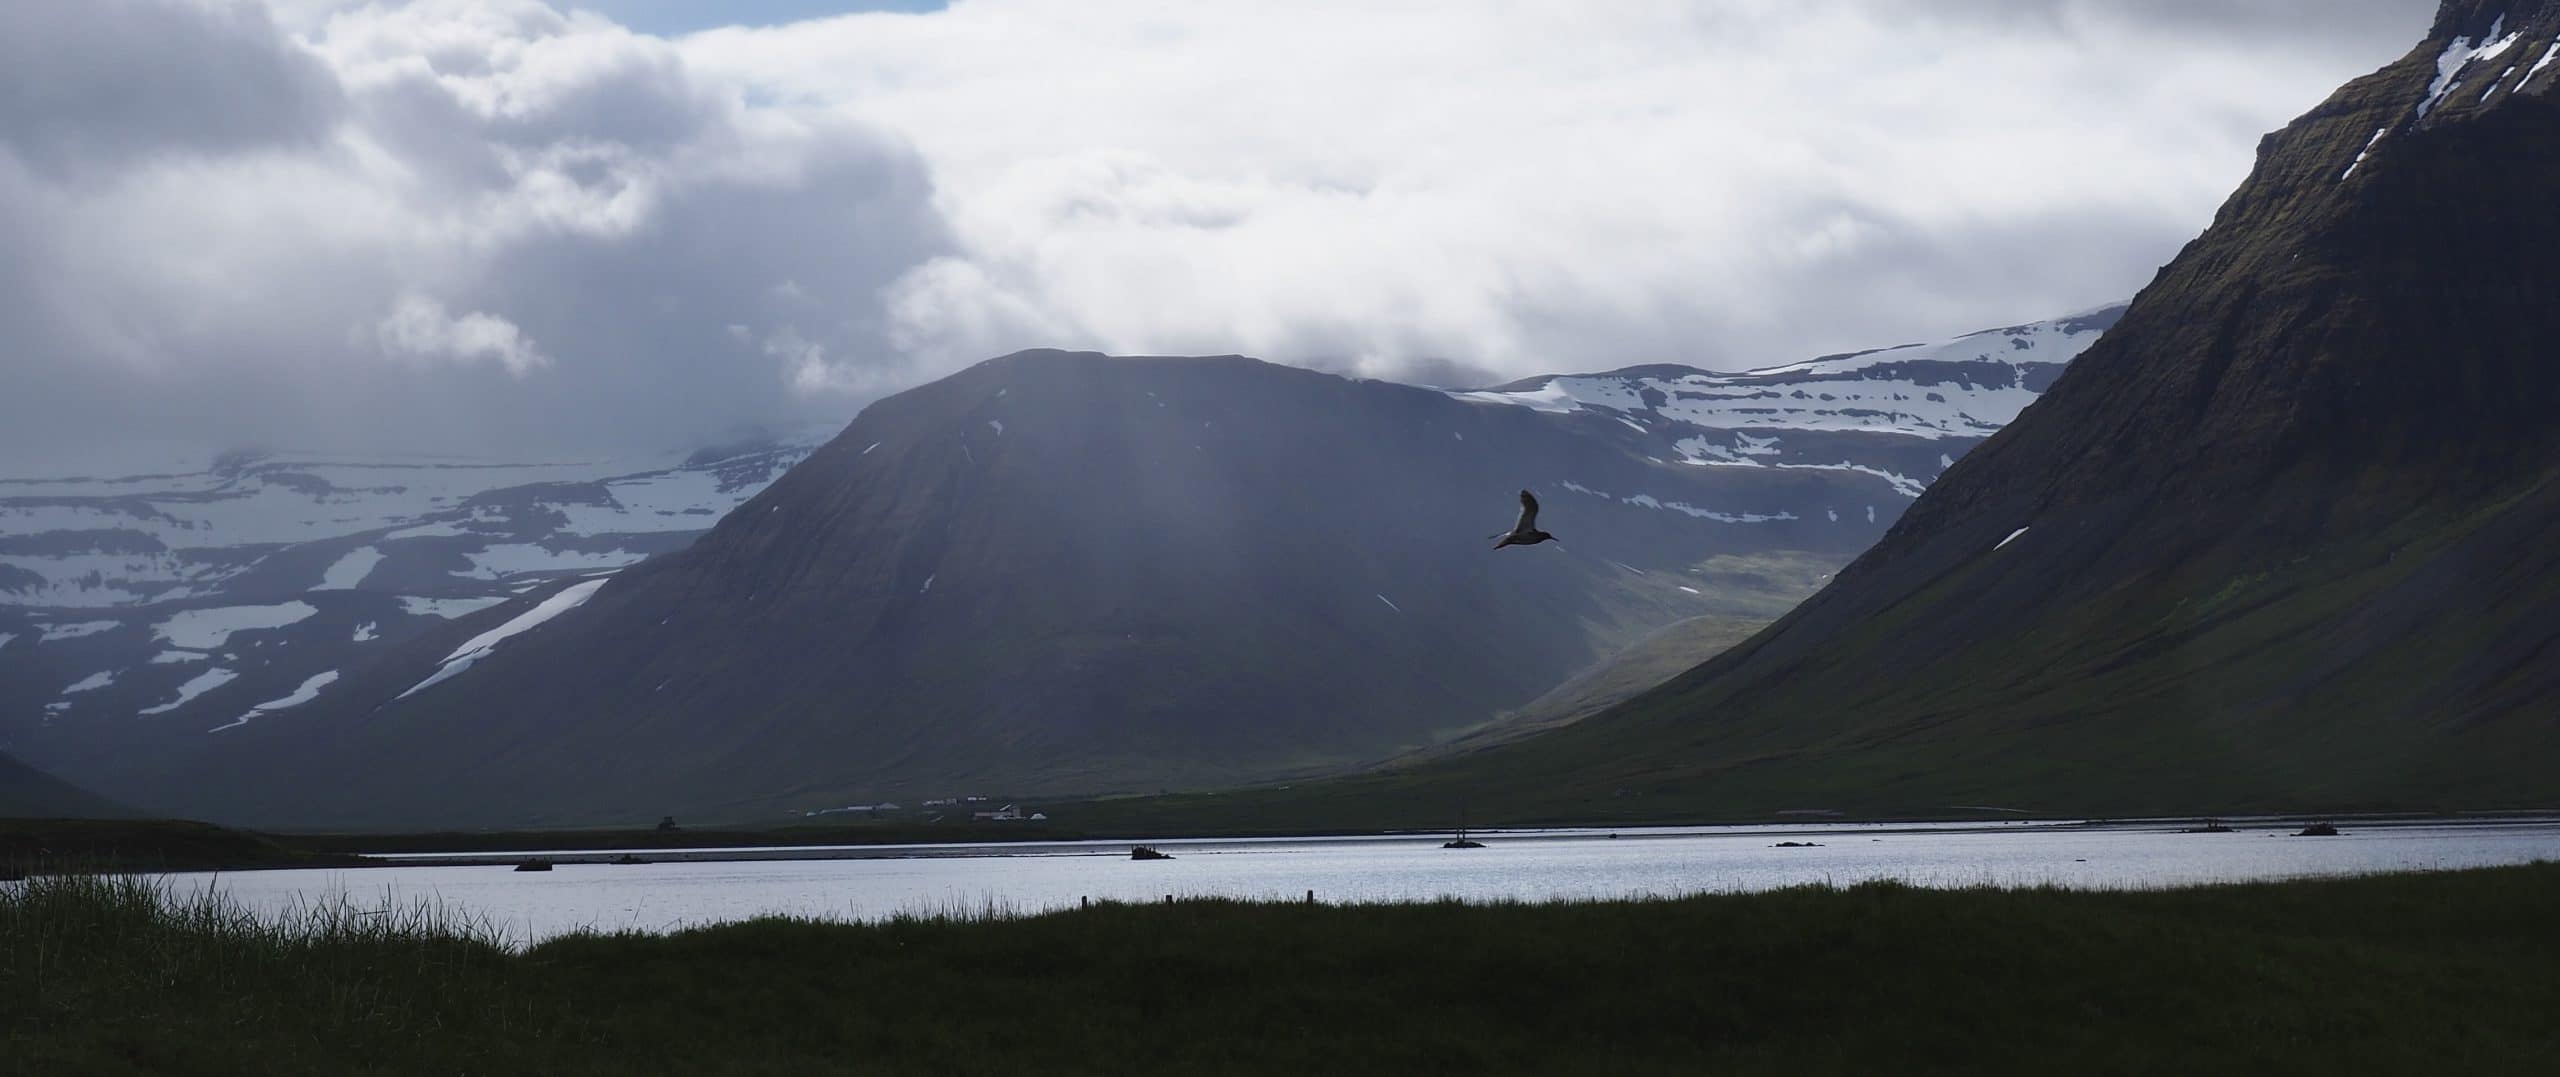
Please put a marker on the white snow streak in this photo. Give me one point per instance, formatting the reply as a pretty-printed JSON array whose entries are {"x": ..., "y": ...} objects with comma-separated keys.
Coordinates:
[
  {"x": 1391, "y": 603},
  {"x": 480, "y": 646},
  {"x": 2013, "y": 537},
  {"x": 309, "y": 691},
  {"x": 204, "y": 682},
  {"x": 2378, "y": 132},
  {"x": 92, "y": 682},
  {"x": 74, "y": 631}
]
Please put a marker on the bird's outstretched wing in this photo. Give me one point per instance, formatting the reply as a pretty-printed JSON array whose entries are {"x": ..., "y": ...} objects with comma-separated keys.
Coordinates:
[{"x": 1528, "y": 513}]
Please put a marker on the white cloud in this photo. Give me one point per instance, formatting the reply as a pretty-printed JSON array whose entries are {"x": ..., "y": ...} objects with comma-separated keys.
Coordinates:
[
  {"x": 471, "y": 183},
  {"x": 1542, "y": 185},
  {"x": 419, "y": 328},
  {"x": 216, "y": 218}
]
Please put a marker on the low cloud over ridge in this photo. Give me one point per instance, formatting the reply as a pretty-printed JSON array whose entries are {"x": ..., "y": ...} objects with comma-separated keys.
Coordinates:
[{"x": 498, "y": 225}]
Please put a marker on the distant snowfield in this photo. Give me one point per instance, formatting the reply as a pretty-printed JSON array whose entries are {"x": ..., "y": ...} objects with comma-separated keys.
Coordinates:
[
  {"x": 480, "y": 646},
  {"x": 74, "y": 630},
  {"x": 1968, "y": 387},
  {"x": 204, "y": 630},
  {"x": 185, "y": 533},
  {"x": 91, "y": 682}
]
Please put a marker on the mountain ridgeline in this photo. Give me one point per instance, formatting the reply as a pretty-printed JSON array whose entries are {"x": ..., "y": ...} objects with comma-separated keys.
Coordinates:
[
  {"x": 1069, "y": 573},
  {"x": 2287, "y": 537}
]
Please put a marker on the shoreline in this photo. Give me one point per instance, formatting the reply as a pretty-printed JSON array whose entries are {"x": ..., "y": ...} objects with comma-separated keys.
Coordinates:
[{"x": 36, "y": 847}]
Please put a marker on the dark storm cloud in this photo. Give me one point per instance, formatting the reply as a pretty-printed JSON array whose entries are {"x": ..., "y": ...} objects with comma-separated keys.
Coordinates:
[
  {"x": 97, "y": 84},
  {"x": 459, "y": 227}
]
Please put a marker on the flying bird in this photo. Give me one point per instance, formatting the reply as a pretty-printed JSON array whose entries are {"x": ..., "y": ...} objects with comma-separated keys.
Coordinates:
[{"x": 1524, "y": 533}]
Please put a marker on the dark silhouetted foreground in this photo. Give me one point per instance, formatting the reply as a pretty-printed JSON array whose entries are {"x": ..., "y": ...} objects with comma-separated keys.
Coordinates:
[{"x": 2436, "y": 973}]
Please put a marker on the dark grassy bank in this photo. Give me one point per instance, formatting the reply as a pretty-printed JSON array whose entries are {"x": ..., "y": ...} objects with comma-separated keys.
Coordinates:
[
  {"x": 716, "y": 837},
  {"x": 2439, "y": 973},
  {"x": 31, "y": 846}
]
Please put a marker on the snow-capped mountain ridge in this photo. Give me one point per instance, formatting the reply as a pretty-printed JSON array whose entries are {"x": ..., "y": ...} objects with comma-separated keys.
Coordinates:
[
  {"x": 1886, "y": 402},
  {"x": 243, "y": 587},
  {"x": 132, "y": 541},
  {"x": 1966, "y": 387}
]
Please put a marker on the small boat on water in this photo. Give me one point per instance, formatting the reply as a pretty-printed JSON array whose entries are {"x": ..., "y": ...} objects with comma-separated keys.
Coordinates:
[
  {"x": 1149, "y": 852},
  {"x": 2321, "y": 829},
  {"x": 535, "y": 864},
  {"x": 1462, "y": 841}
]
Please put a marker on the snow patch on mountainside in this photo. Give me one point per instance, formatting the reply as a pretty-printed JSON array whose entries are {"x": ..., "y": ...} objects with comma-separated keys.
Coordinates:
[
  {"x": 447, "y": 608},
  {"x": 1684, "y": 508},
  {"x": 204, "y": 630},
  {"x": 2462, "y": 53},
  {"x": 74, "y": 630},
  {"x": 480, "y": 646},
  {"x": 508, "y": 560},
  {"x": 309, "y": 691},
  {"x": 204, "y": 682},
  {"x": 348, "y": 571}
]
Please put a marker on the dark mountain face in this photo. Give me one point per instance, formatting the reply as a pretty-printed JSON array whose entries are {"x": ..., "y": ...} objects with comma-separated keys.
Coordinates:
[
  {"x": 1066, "y": 573},
  {"x": 2287, "y": 537},
  {"x": 26, "y": 793}
]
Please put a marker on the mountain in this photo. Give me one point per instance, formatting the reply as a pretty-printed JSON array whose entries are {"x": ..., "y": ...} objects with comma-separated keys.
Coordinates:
[
  {"x": 26, "y": 793},
  {"x": 158, "y": 607},
  {"x": 2287, "y": 537},
  {"x": 1065, "y": 572},
  {"x": 1901, "y": 414}
]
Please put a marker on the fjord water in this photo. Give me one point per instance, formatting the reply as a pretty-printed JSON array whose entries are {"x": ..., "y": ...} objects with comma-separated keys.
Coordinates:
[{"x": 879, "y": 881}]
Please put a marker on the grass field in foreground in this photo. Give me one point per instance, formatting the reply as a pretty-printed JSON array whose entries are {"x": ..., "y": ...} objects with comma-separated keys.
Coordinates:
[{"x": 2422, "y": 973}]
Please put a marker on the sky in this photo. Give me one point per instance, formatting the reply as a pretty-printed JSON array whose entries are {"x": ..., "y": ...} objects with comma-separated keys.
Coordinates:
[{"x": 510, "y": 229}]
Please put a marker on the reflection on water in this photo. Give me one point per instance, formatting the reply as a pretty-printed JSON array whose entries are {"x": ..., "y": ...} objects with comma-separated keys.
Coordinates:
[{"x": 1525, "y": 866}]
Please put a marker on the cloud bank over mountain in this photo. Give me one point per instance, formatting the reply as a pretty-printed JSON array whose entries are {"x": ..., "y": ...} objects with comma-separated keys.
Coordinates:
[{"x": 498, "y": 225}]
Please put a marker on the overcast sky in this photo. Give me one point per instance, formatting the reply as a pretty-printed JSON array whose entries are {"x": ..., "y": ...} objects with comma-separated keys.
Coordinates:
[{"x": 504, "y": 228}]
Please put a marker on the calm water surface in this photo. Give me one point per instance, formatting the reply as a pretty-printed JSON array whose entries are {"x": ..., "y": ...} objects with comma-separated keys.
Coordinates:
[{"x": 868, "y": 883}]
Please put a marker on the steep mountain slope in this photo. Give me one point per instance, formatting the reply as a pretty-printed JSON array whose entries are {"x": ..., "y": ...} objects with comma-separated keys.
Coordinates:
[
  {"x": 1063, "y": 572},
  {"x": 197, "y": 599},
  {"x": 2287, "y": 537},
  {"x": 26, "y": 793}
]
